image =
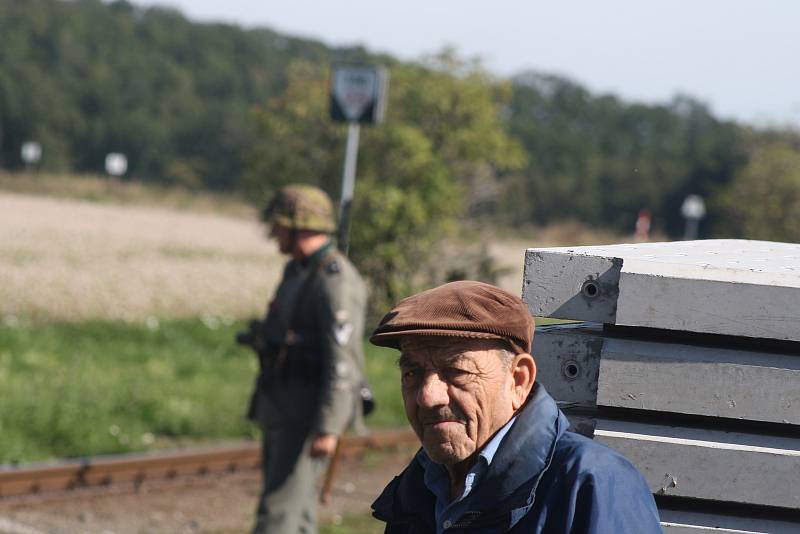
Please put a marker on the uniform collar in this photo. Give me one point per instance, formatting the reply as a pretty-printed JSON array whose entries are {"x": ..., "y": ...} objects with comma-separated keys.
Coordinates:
[{"x": 317, "y": 255}]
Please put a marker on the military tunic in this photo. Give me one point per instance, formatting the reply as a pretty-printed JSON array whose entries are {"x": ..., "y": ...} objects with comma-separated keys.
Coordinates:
[{"x": 312, "y": 369}]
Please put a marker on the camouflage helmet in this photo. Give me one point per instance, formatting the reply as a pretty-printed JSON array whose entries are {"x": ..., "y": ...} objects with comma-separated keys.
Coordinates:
[{"x": 301, "y": 207}]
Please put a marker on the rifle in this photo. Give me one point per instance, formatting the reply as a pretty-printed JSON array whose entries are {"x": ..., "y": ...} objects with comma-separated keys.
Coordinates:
[{"x": 254, "y": 339}]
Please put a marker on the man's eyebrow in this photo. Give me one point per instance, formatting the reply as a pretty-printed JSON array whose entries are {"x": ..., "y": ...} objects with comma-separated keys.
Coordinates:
[{"x": 406, "y": 361}]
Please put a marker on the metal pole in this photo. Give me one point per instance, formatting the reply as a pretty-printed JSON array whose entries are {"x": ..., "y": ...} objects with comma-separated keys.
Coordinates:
[
  {"x": 690, "y": 232},
  {"x": 348, "y": 185},
  {"x": 345, "y": 206}
]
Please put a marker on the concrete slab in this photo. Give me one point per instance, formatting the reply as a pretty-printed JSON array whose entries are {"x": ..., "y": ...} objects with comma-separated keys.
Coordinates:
[
  {"x": 581, "y": 367},
  {"x": 729, "y": 287},
  {"x": 711, "y": 465},
  {"x": 685, "y": 522}
]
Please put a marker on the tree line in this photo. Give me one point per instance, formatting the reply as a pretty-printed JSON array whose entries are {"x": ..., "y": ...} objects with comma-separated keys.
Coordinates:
[{"x": 218, "y": 107}]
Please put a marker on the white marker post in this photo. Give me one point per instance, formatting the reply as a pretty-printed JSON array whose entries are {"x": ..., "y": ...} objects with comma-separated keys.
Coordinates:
[
  {"x": 693, "y": 209},
  {"x": 116, "y": 164},
  {"x": 31, "y": 153},
  {"x": 358, "y": 95}
]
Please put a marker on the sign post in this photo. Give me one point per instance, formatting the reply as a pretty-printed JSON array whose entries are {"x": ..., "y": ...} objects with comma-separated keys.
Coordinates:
[
  {"x": 348, "y": 185},
  {"x": 358, "y": 95}
]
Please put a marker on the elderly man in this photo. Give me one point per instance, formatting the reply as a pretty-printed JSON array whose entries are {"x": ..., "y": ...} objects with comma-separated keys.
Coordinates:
[{"x": 496, "y": 456}]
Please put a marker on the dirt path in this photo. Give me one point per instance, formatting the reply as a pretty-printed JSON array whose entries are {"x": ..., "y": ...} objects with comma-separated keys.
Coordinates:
[{"x": 219, "y": 504}]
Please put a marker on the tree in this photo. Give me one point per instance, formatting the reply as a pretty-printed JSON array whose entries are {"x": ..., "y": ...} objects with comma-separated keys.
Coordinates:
[
  {"x": 763, "y": 200},
  {"x": 87, "y": 77},
  {"x": 443, "y": 126},
  {"x": 600, "y": 160}
]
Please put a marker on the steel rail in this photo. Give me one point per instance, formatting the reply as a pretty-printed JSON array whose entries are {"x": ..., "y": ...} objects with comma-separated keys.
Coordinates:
[{"x": 134, "y": 469}]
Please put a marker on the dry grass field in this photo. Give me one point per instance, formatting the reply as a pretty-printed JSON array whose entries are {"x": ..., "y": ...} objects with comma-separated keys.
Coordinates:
[
  {"x": 80, "y": 248},
  {"x": 72, "y": 260}
]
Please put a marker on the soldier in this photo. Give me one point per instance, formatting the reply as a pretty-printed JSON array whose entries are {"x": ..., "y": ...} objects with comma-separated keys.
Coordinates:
[{"x": 311, "y": 357}]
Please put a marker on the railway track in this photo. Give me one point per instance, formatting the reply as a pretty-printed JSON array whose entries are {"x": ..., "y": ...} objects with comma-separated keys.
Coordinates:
[{"x": 106, "y": 473}]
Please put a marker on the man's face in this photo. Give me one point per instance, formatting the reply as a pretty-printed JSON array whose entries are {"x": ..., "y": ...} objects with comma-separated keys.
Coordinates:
[
  {"x": 457, "y": 394},
  {"x": 283, "y": 236}
]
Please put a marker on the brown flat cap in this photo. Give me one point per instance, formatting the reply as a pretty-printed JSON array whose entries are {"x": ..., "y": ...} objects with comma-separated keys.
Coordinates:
[{"x": 459, "y": 309}]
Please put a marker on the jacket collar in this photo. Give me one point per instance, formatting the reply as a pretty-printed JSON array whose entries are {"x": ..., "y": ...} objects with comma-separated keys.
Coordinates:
[
  {"x": 318, "y": 255},
  {"x": 526, "y": 450},
  {"x": 309, "y": 264},
  {"x": 407, "y": 500},
  {"x": 522, "y": 458}
]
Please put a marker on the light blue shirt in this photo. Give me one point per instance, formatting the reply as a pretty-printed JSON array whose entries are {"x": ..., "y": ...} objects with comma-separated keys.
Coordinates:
[{"x": 437, "y": 480}]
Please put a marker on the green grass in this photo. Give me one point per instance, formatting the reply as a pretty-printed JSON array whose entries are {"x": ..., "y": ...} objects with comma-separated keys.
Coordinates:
[
  {"x": 69, "y": 390},
  {"x": 105, "y": 387},
  {"x": 384, "y": 377}
]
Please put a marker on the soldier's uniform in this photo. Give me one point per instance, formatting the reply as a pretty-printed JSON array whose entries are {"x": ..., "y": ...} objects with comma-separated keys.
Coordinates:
[{"x": 312, "y": 368}]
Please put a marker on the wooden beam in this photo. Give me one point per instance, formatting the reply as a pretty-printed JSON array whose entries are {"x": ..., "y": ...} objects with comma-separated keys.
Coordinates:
[
  {"x": 690, "y": 522},
  {"x": 729, "y": 287},
  {"x": 709, "y": 381},
  {"x": 582, "y": 367},
  {"x": 568, "y": 361},
  {"x": 711, "y": 465}
]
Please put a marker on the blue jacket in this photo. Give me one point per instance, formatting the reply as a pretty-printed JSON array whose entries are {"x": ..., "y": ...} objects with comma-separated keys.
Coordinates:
[{"x": 541, "y": 480}]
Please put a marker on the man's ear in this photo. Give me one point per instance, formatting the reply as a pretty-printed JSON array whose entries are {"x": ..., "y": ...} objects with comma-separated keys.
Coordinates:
[{"x": 523, "y": 373}]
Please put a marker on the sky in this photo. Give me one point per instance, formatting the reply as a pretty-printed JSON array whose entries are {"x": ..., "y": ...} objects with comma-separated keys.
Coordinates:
[{"x": 740, "y": 57}]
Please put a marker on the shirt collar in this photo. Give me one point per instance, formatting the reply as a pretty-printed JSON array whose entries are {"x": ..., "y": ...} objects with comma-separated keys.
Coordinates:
[
  {"x": 490, "y": 449},
  {"x": 437, "y": 479}
]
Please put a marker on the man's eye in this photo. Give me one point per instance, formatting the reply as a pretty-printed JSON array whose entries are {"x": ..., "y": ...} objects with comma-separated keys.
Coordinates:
[
  {"x": 455, "y": 375},
  {"x": 409, "y": 376}
]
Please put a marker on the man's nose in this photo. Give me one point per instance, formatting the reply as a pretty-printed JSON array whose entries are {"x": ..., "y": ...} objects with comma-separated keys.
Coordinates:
[{"x": 432, "y": 391}]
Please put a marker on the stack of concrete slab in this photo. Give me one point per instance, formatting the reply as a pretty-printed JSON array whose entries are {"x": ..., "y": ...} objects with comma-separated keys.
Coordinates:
[{"x": 686, "y": 359}]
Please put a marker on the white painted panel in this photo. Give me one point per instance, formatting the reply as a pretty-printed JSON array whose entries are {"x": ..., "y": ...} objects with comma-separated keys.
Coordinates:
[
  {"x": 709, "y": 306},
  {"x": 712, "y": 465},
  {"x": 568, "y": 361},
  {"x": 730, "y": 287},
  {"x": 552, "y": 284},
  {"x": 672, "y": 377},
  {"x": 684, "y": 522}
]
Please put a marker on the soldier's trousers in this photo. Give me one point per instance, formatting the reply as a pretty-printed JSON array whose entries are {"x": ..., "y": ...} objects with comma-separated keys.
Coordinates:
[{"x": 288, "y": 503}]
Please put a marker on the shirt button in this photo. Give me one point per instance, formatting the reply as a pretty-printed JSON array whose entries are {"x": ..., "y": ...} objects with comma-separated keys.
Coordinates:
[{"x": 447, "y": 524}]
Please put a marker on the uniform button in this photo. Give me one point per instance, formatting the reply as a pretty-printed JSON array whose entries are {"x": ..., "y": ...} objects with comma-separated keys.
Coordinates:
[{"x": 447, "y": 524}]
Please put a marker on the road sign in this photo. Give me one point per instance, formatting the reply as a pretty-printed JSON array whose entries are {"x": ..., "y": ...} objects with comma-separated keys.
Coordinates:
[{"x": 358, "y": 94}]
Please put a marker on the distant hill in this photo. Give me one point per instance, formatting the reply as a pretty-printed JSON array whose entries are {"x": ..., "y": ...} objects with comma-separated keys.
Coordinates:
[
  {"x": 86, "y": 77},
  {"x": 187, "y": 103}
]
